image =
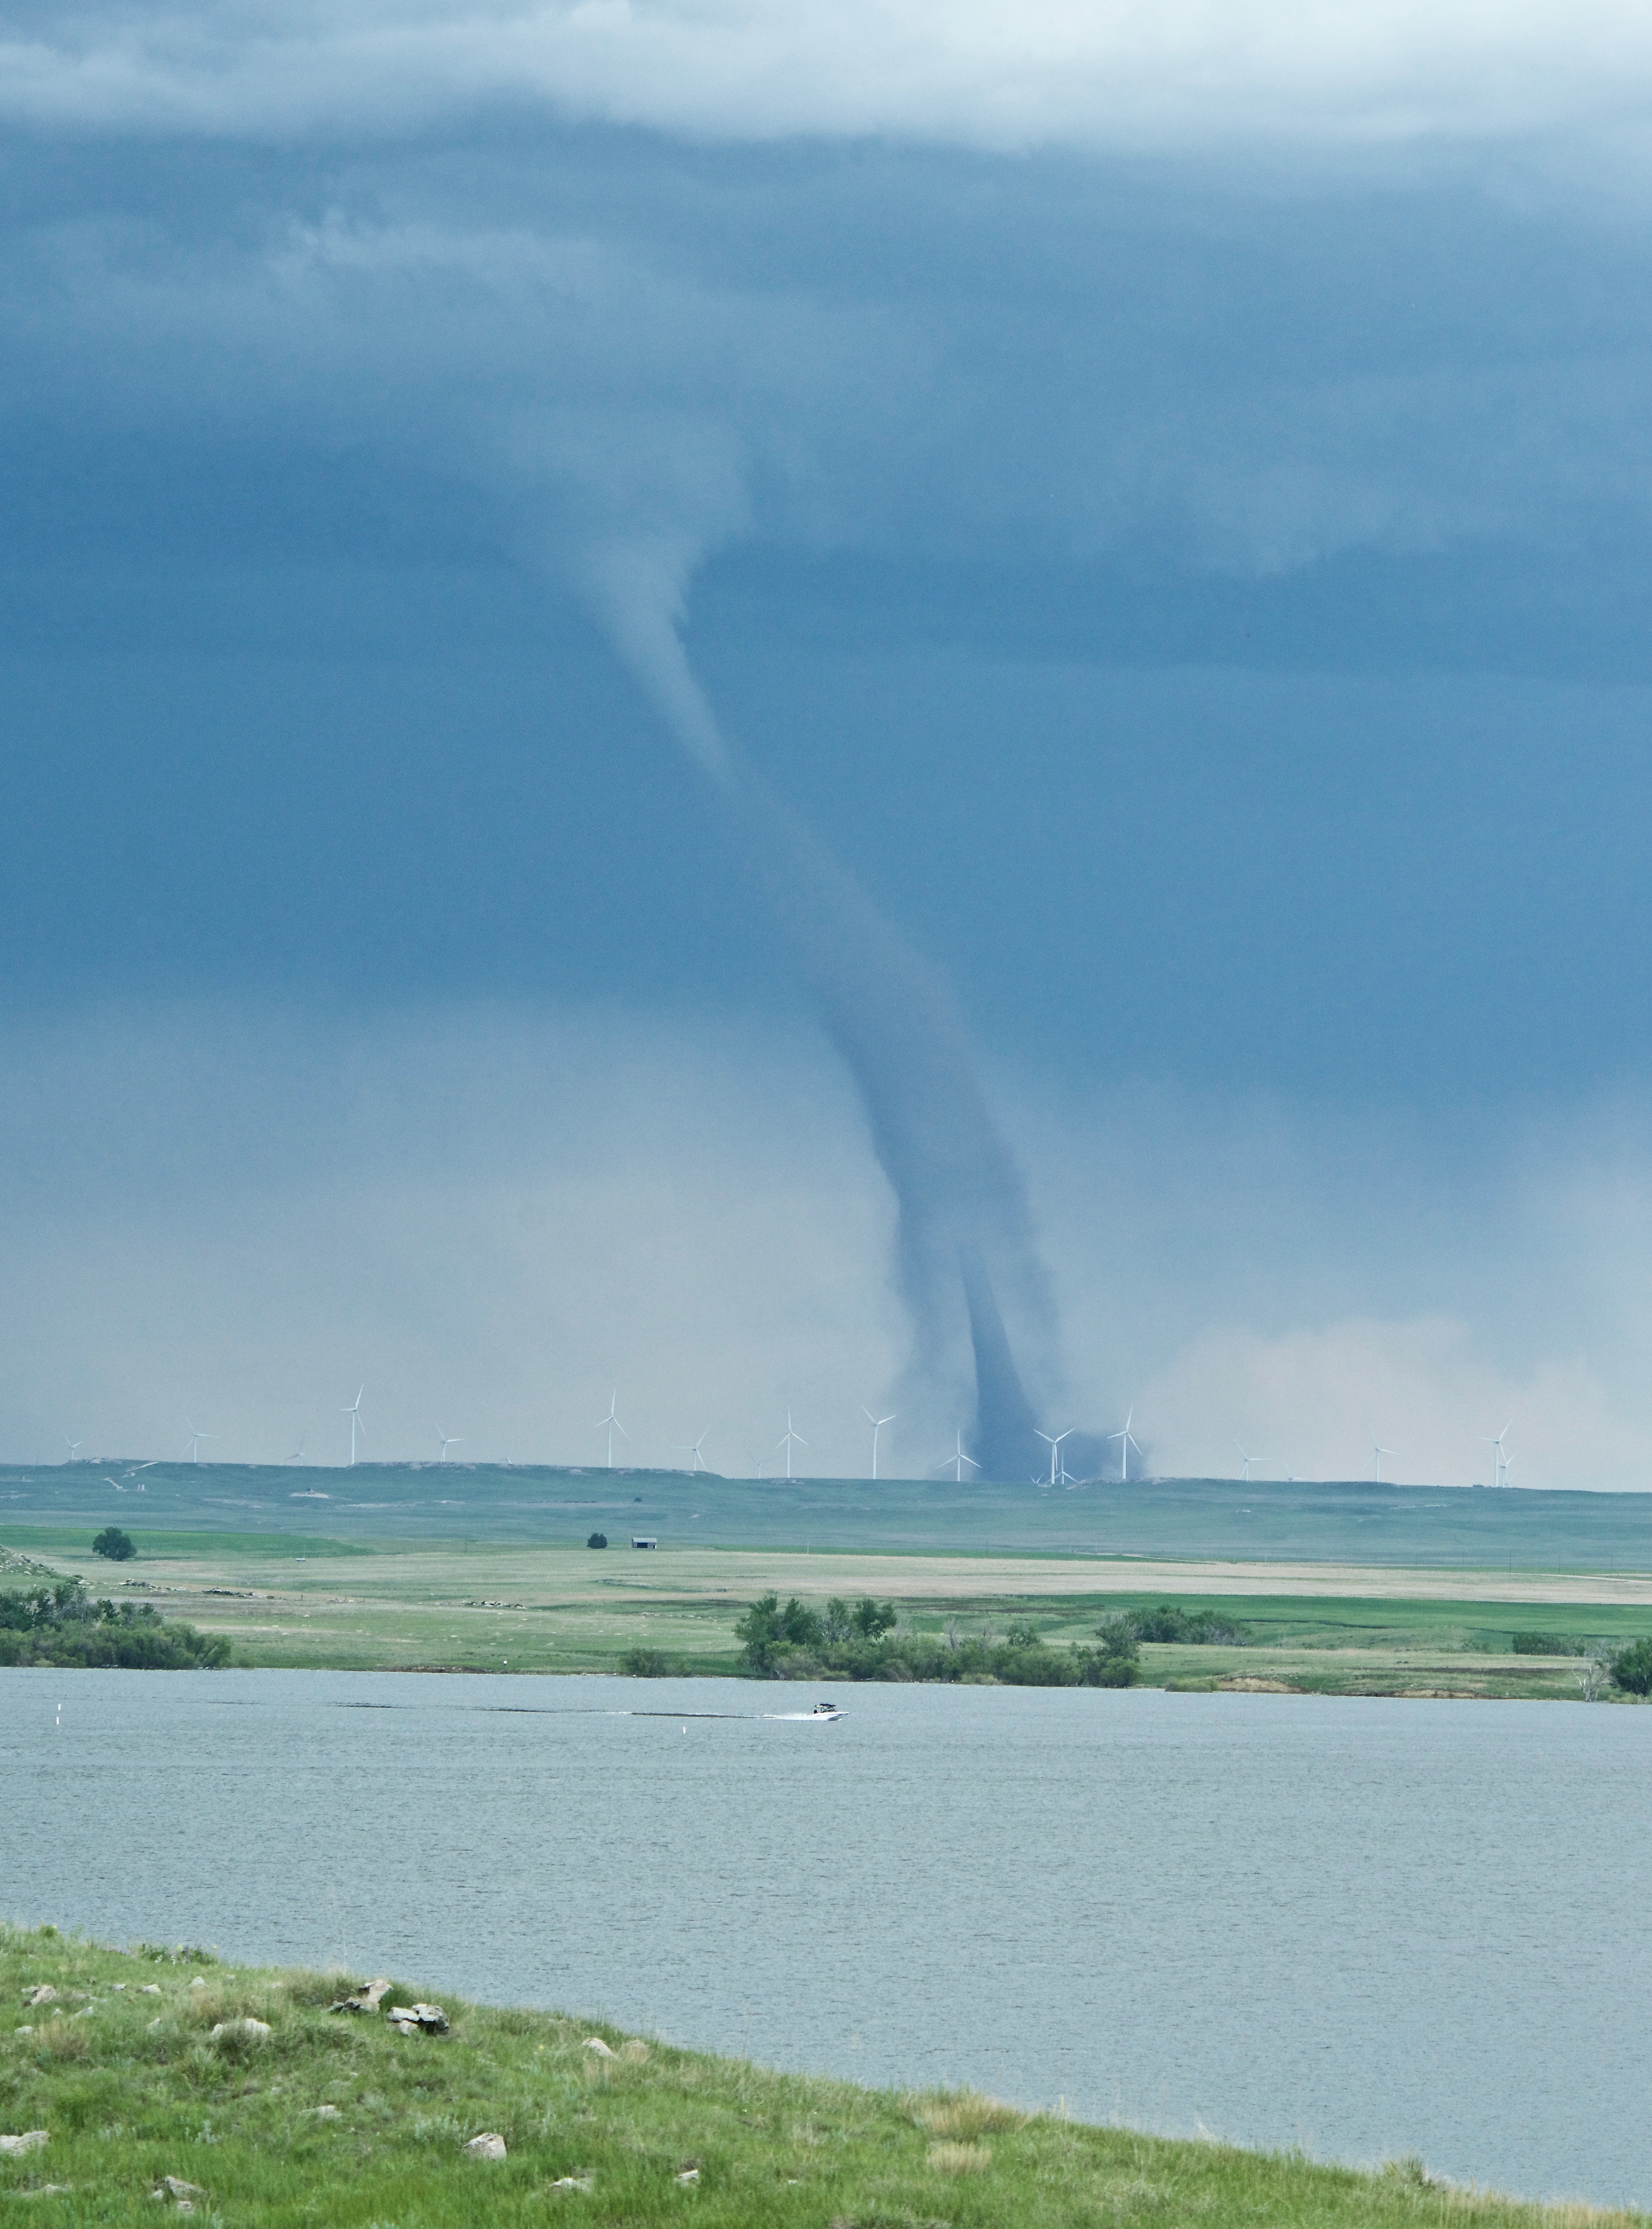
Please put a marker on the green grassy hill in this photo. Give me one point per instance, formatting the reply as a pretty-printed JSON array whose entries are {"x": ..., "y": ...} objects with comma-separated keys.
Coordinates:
[
  {"x": 152, "y": 2094},
  {"x": 1327, "y": 1522}
]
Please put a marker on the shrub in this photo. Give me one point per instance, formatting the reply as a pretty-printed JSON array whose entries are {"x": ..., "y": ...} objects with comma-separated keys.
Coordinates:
[
  {"x": 62, "y": 1624},
  {"x": 965, "y": 2113},
  {"x": 1632, "y": 1668},
  {"x": 597, "y": 1541},
  {"x": 114, "y": 1544},
  {"x": 1118, "y": 1637},
  {"x": 1195, "y": 1627},
  {"x": 959, "y": 2159},
  {"x": 1548, "y": 1644},
  {"x": 643, "y": 1664}
]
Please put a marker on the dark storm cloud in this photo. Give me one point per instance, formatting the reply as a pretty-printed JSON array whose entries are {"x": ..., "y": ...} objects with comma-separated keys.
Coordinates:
[{"x": 348, "y": 362}]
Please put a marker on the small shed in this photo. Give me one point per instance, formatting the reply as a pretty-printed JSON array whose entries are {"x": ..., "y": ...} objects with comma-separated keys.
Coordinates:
[{"x": 644, "y": 1540}]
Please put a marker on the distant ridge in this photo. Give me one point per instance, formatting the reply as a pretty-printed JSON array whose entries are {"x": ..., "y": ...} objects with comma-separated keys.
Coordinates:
[{"x": 1343, "y": 1521}]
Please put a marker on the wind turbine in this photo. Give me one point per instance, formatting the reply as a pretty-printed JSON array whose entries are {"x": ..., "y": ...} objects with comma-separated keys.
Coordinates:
[
  {"x": 786, "y": 1441},
  {"x": 1499, "y": 1459},
  {"x": 1250, "y": 1459},
  {"x": 877, "y": 1425},
  {"x": 297, "y": 1455},
  {"x": 449, "y": 1440},
  {"x": 1054, "y": 1444},
  {"x": 1126, "y": 1440},
  {"x": 693, "y": 1450},
  {"x": 958, "y": 1459},
  {"x": 192, "y": 1445},
  {"x": 1378, "y": 1451},
  {"x": 354, "y": 1413},
  {"x": 611, "y": 1424},
  {"x": 74, "y": 1447}
]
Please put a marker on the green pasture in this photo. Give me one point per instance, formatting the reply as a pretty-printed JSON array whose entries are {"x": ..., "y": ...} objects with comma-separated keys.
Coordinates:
[
  {"x": 272, "y": 1547},
  {"x": 307, "y": 1601}
]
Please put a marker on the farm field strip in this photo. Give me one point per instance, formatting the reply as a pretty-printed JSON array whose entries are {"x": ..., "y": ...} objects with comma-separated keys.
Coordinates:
[{"x": 419, "y": 1605}]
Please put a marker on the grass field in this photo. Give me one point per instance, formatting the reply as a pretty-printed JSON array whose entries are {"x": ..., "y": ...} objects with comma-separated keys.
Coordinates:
[
  {"x": 154, "y": 2097},
  {"x": 305, "y": 1600}
]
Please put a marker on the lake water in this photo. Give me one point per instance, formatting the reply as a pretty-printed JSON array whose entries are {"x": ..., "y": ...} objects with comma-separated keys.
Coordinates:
[{"x": 1368, "y": 1927}]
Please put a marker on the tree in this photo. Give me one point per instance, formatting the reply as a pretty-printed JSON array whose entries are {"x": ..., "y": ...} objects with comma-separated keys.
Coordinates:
[
  {"x": 761, "y": 1630},
  {"x": 114, "y": 1544},
  {"x": 1595, "y": 1670},
  {"x": 1117, "y": 1634},
  {"x": 800, "y": 1627},
  {"x": 597, "y": 1541},
  {"x": 1632, "y": 1668},
  {"x": 872, "y": 1620}
]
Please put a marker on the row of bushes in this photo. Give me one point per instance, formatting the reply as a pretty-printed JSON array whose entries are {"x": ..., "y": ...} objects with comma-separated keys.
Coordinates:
[
  {"x": 1627, "y": 1668},
  {"x": 790, "y": 1641},
  {"x": 62, "y": 1624},
  {"x": 859, "y": 1642},
  {"x": 1199, "y": 1627}
]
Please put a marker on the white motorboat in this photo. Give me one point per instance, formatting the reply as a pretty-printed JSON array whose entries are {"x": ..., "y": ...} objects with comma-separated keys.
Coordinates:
[{"x": 823, "y": 1714}]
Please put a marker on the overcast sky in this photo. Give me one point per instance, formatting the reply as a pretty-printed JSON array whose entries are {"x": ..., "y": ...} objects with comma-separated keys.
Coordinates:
[{"x": 1165, "y": 492}]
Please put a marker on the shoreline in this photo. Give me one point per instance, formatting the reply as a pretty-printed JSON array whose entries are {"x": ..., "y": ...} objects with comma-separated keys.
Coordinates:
[{"x": 150, "y": 2074}]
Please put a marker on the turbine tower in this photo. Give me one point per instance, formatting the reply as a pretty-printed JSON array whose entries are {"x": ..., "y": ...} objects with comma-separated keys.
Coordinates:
[
  {"x": 1126, "y": 1440},
  {"x": 449, "y": 1440},
  {"x": 354, "y": 1413},
  {"x": 1500, "y": 1473},
  {"x": 1378, "y": 1451},
  {"x": 1054, "y": 1444},
  {"x": 611, "y": 1424},
  {"x": 877, "y": 1425},
  {"x": 1250, "y": 1459},
  {"x": 958, "y": 1459},
  {"x": 786, "y": 1443}
]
